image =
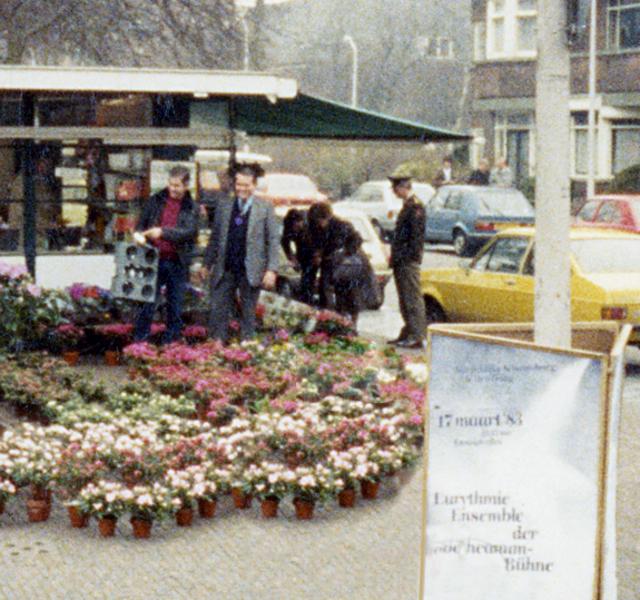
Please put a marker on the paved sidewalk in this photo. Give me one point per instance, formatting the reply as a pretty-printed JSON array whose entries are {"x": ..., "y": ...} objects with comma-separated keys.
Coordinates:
[{"x": 367, "y": 553}]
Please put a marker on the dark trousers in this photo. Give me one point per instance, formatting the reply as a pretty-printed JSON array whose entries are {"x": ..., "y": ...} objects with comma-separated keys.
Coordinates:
[
  {"x": 412, "y": 308},
  {"x": 231, "y": 287},
  {"x": 308, "y": 283},
  {"x": 173, "y": 275}
]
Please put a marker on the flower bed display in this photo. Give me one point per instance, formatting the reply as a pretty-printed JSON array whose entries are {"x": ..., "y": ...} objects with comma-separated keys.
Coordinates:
[{"x": 286, "y": 418}]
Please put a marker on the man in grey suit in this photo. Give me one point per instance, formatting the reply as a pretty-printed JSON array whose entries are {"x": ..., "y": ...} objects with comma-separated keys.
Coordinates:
[{"x": 242, "y": 256}]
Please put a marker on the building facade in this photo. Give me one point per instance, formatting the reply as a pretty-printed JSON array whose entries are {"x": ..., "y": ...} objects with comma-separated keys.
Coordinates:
[{"x": 504, "y": 79}]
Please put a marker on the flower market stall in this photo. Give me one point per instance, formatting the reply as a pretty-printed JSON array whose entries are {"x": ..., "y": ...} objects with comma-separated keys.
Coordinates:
[{"x": 306, "y": 414}]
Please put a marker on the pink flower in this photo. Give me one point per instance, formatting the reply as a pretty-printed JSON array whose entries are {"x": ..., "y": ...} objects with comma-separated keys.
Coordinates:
[
  {"x": 415, "y": 420},
  {"x": 34, "y": 290}
]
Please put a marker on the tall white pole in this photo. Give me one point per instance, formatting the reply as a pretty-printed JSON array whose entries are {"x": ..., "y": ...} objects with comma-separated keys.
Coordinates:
[
  {"x": 591, "y": 134},
  {"x": 354, "y": 71},
  {"x": 552, "y": 266}
]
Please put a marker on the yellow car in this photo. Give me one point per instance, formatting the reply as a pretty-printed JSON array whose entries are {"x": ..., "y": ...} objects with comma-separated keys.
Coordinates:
[{"x": 497, "y": 286}]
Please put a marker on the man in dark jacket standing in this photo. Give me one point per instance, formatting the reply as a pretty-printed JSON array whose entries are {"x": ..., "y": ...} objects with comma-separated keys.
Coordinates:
[
  {"x": 169, "y": 221},
  {"x": 407, "y": 249}
]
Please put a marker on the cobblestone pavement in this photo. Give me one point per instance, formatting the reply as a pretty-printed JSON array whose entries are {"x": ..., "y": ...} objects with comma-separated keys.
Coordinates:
[{"x": 368, "y": 553}]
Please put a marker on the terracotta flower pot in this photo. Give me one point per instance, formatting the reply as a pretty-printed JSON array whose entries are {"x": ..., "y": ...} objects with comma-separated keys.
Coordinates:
[
  {"x": 269, "y": 508},
  {"x": 184, "y": 517},
  {"x": 107, "y": 526},
  {"x": 77, "y": 518},
  {"x": 71, "y": 357},
  {"x": 112, "y": 358},
  {"x": 40, "y": 492},
  {"x": 304, "y": 508},
  {"x": 207, "y": 508},
  {"x": 347, "y": 498},
  {"x": 141, "y": 528},
  {"x": 38, "y": 510},
  {"x": 132, "y": 373},
  {"x": 240, "y": 499},
  {"x": 369, "y": 489}
]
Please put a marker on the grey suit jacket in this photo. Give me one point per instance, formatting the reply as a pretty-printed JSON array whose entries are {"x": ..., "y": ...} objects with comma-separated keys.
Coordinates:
[{"x": 262, "y": 241}]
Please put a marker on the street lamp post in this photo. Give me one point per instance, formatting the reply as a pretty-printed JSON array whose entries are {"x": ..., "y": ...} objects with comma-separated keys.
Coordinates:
[
  {"x": 354, "y": 71},
  {"x": 245, "y": 29}
]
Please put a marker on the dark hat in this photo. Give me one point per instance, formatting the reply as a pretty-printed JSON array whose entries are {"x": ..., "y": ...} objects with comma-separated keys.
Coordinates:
[{"x": 400, "y": 175}]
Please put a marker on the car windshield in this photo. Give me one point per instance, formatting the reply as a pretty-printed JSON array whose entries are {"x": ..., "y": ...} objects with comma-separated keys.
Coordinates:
[
  {"x": 505, "y": 203},
  {"x": 607, "y": 255},
  {"x": 288, "y": 185}
]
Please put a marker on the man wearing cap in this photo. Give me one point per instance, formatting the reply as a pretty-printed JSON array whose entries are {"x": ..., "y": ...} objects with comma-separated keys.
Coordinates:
[
  {"x": 407, "y": 249},
  {"x": 242, "y": 255}
]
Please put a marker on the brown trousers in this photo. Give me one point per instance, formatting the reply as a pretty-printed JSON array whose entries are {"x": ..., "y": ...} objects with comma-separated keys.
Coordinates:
[{"x": 412, "y": 308}]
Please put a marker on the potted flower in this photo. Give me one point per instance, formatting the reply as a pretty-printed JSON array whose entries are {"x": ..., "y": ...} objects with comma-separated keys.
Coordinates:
[
  {"x": 187, "y": 486},
  {"x": 7, "y": 489},
  {"x": 66, "y": 338},
  {"x": 75, "y": 469},
  {"x": 105, "y": 500},
  {"x": 115, "y": 337},
  {"x": 309, "y": 486},
  {"x": 271, "y": 485},
  {"x": 194, "y": 334},
  {"x": 148, "y": 503}
]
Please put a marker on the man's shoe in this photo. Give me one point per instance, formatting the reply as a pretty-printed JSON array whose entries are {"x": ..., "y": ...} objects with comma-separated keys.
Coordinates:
[
  {"x": 396, "y": 341},
  {"x": 410, "y": 344}
]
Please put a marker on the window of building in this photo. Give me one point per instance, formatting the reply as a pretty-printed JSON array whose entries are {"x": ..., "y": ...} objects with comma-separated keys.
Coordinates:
[
  {"x": 623, "y": 27},
  {"x": 511, "y": 28},
  {"x": 435, "y": 47},
  {"x": 479, "y": 41},
  {"x": 626, "y": 144},
  {"x": 580, "y": 144}
]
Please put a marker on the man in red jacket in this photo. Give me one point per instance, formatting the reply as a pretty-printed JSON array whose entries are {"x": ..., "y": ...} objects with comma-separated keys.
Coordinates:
[{"x": 169, "y": 221}]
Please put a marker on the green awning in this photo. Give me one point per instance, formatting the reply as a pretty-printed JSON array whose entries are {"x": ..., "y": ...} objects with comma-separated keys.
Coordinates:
[{"x": 310, "y": 117}]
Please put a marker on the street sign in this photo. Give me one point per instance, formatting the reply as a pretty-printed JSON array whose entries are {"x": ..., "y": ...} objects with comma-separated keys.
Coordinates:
[{"x": 514, "y": 496}]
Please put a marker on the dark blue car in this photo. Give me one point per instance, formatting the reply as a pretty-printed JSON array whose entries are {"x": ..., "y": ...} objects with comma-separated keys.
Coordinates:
[{"x": 468, "y": 215}]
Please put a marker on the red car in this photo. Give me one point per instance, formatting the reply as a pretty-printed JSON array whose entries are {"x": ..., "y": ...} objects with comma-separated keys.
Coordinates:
[{"x": 611, "y": 212}]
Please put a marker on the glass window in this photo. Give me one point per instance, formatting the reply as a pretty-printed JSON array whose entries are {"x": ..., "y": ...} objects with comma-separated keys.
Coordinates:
[
  {"x": 630, "y": 28},
  {"x": 609, "y": 213},
  {"x": 498, "y": 36},
  {"x": 507, "y": 255},
  {"x": 498, "y": 6},
  {"x": 623, "y": 24},
  {"x": 588, "y": 211},
  {"x": 506, "y": 203},
  {"x": 479, "y": 41},
  {"x": 10, "y": 109},
  {"x": 581, "y": 151},
  {"x": 527, "y": 4},
  {"x": 526, "y": 33},
  {"x": 626, "y": 147},
  {"x": 439, "y": 200},
  {"x": 454, "y": 202}
]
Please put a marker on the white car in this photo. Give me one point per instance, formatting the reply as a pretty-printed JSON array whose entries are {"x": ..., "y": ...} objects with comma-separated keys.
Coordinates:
[{"x": 377, "y": 200}]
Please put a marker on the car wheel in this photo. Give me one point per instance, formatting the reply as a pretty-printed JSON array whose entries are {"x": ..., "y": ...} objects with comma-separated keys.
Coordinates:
[
  {"x": 460, "y": 243},
  {"x": 434, "y": 312}
]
